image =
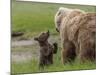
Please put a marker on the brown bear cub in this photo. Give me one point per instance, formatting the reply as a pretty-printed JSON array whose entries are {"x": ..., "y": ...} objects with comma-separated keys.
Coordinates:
[{"x": 46, "y": 49}]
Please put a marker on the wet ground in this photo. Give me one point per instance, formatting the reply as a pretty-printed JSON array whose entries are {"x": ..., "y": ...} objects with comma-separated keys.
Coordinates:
[{"x": 25, "y": 50}]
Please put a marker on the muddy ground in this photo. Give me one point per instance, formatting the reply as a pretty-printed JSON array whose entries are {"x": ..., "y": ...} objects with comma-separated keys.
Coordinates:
[{"x": 25, "y": 50}]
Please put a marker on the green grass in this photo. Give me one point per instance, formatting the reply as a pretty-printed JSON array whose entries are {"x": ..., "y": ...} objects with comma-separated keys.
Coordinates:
[
  {"x": 33, "y": 18},
  {"x": 32, "y": 66}
]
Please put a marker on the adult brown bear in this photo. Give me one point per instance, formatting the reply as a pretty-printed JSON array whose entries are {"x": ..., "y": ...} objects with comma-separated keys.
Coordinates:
[{"x": 77, "y": 30}]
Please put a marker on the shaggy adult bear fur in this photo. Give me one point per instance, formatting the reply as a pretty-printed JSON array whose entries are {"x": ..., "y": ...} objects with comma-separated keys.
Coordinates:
[
  {"x": 77, "y": 30},
  {"x": 46, "y": 49}
]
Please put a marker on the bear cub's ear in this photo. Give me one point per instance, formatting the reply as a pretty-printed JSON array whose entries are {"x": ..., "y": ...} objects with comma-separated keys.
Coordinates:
[{"x": 48, "y": 33}]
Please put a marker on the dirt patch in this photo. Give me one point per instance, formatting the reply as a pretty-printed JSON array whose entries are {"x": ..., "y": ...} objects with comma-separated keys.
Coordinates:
[
  {"x": 22, "y": 43},
  {"x": 24, "y": 53},
  {"x": 26, "y": 50},
  {"x": 21, "y": 56}
]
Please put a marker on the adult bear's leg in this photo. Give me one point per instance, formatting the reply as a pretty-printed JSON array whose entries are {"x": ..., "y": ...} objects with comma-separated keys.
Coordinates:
[
  {"x": 68, "y": 52},
  {"x": 87, "y": 51},
  {"x": 87, "y": 46}
]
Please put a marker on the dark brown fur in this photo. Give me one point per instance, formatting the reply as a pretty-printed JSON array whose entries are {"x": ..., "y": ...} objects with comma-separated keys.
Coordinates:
[{"x": 46, "y": 49}]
